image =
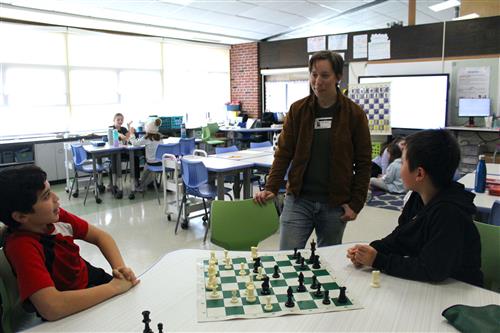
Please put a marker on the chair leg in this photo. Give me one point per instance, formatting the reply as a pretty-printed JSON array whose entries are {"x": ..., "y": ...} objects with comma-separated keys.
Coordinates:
[
  {"x": 156, "y": 189},
  {"x": 91, "y": 180},
  {"x": 207, "y": 216},
  {"x": 183, "y": 202},
  {"x": 72, "y": 185}
]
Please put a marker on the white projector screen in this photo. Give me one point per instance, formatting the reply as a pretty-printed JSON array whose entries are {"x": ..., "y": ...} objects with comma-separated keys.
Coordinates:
[{"x": 417, "y": 101}]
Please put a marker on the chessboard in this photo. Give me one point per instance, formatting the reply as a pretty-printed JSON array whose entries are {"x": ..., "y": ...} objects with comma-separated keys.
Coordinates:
[
  {"x": 230, "y": 300},
  {"x": 374, "y": 99}
]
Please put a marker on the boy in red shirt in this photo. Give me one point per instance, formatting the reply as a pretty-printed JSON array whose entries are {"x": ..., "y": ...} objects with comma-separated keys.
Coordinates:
[{"x": 51, "y": 274}]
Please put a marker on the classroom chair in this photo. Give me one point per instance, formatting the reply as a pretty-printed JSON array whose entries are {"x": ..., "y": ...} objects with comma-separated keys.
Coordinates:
[
  {"x": 241, "y": 224},
  {"x": 195, "y": 179},
  {"x": 490, "y": 255},
  {"x": 186, "y": 146},
  {"x": 208, "y": 135},
  {"x": 494, "y": 218},
  {"x": 83, "y": 165},
  {"x": 260, "y": 144}
]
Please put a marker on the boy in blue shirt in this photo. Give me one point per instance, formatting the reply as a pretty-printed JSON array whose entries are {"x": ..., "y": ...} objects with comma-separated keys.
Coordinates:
[
  {"x": 39, "y": 245},
  {"x": 435, "y": 238}
]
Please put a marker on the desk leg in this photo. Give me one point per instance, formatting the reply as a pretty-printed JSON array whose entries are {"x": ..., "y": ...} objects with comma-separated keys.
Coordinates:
[
  {"x": 96, "y": 179},
  {"x": 236, "y": 186},
  {"x": 220, "y": 185},
  {"x": 119, "y": 182},
  {"x": 131, "y": 157},
  {"x": 247, "y": 186}
]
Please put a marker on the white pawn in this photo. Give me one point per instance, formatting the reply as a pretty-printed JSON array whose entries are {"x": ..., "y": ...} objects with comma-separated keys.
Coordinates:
[
  {"x": 226, "y": 254},
  {"x": 259, "y": 274},
  {"x": 234, "y": 298},
  {"x": 214, "y": 293},
  {"x": 251, "y": 293},
  {"x": 250, "y": 280},
  {"x": 375, "y": 279},
  {"x": 268, "y": 306},
  {"x": 228, "y": 263},
  {"x": 254, "y": 252},
  {"x": 242, "y": 270},
  {"x": 213, "y": 260}
]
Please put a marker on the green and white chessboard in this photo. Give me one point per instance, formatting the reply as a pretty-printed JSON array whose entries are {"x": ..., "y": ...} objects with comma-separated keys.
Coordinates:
[{"x": 221, "y": 308}]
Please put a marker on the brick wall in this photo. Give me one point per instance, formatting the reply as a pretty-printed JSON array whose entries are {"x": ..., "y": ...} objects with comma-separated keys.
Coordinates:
[{"x": 245, "y": 78}]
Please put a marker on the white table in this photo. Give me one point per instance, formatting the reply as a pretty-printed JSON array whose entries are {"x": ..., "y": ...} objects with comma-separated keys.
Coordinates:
[
  {"x": 168, "y": 290},
  {"x": 482, "y": 200}
]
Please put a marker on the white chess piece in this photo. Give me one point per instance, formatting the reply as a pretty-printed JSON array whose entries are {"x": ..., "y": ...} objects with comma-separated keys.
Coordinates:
[
  {"x": 214, "y": 293},
  {"x": 375, "y": 279},
  {"x": 254, "y": 252},
  {"x": 228, "y": 263},
  {"x": 226, "y": 254},
  {"x": 234, "y": 298},
  {"x": 251, "y": 293},
  {"x": 250, "y": 280},
  {"x": 268, "y": 306},
  {"x": 259, "y": 274},
  {"x": 242, "y": 270},
  {"x": 213, "y": 260}
]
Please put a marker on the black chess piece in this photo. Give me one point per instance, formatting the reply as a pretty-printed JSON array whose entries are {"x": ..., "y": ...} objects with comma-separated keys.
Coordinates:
[
  {"x": 265, "y": 286},
  {"x": 318, "y": 292},
  {"x": 301, "y": 288},
  {"x": 289, "y": 302},
  {"x": 294, "y": 256},
  {"x": 342, "y": 296},
  {"x": 146, "y": 321},
  {"x": 276, "y": 273},
  {"x": 316, "y": 264},
  {"x": 256, "y": 265},
  {"x": 326, "y": 298},
  {"x": 314, "y": 283},
  {"x": 299, "y": 256},
  {"x": 303, "y": 263},
  {"x": 160, "y": 328},
  {"x": 311, "y": 258},
  {"x": 313, "y": 245}
]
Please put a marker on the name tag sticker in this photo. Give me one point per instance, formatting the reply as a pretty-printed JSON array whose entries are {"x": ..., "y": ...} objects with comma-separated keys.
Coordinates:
[{"x": 323, "y": 123}]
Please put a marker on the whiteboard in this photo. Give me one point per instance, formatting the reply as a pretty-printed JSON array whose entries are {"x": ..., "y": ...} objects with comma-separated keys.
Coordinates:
[{"x": 279, "y": 95}]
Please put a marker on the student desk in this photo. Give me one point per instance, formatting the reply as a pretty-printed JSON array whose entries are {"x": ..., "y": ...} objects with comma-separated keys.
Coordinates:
[
  {"x": 168, "y": 289},
  {"x": 236, "y": 129},
  {"x": 484, "y": 200}
]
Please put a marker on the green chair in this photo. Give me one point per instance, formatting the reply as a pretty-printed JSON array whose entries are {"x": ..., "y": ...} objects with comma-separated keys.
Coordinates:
[
  {"x": 208, "y": 135},
  {"x": 240, "y": 224},
  {"x": 490, "y": 254},
  {"x": 14, "y": 317}
]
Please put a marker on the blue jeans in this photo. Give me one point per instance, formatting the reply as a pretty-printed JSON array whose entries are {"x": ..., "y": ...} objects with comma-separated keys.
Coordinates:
[{"x": 300, "y": 217}]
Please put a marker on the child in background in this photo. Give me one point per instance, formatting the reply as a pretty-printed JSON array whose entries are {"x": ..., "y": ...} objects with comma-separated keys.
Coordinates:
[
  {"x": 435, "y": 238},
  {"x": 52, "y": 276},
  {"x": 391, "y": 180},
  {"x": 124, "y": 135},
  {"x": 381, "y": 162},
  {"x": 151, "y": 141}
]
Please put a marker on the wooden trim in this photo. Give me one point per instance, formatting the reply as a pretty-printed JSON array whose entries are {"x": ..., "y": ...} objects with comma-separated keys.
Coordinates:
[{"x": 412, "y": 7}]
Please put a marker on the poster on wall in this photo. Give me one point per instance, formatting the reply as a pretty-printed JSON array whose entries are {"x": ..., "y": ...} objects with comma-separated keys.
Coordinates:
[
  {"x": 337, "y": 42},
  {"x": 379, "y": 47},
  {"x": 359, "y": 47},
  {"x": 473, "y": 82},
  {"x": 315, "y": 44},
  {"x": 374, "y": 99}
]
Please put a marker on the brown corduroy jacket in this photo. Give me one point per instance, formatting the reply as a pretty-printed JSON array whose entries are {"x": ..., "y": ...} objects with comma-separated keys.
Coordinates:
[{"x": 350, "y": 152}]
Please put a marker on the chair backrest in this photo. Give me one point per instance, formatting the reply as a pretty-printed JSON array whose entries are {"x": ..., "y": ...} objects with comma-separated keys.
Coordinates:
[
  {"x": 490, "y": 254},
  {"x": 200, "y": 152},
  {"x": 260, "y": 144},
  {"x": 186, "y": 146},
  {"x": 240, "y": 224},
  {"x": 166, "y": 148},
  {"x": 220, "y": 150},
  {"x": 214, "y": 128},
  {"x": 494, "y": 218},
  {"x": 194, "y": 173},
  {"x": 79, "y": 154},
  {"x": 205, "y": 133}
]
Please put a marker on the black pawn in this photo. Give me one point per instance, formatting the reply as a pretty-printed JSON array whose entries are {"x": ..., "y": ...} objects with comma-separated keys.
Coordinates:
[
  {"x": 289, "y": 303},
  {"x": 326, "y": 298},
  {"x": 294, "y": 256},
  {"x": 313, "y": 245},
  {"x": 265, "y": 286},
  {"x": 314, "y": 284},
  {"x": 146, "y": 321},
  {"x": 299, "y": 256},
  {"x": 303, "y": 263},
  {"x": 256, "y": 265},
  {"x": 276, "y": 273},
  {"x": 318, "y": 292},
  {"x": 160, "y": 328},
  {"x": 316, "y": 264},
  {"x": 342, "y": 297},
  {"x": 301, "y": 288}
]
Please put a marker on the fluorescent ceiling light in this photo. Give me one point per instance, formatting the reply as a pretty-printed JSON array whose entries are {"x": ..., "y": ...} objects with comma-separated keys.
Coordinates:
[
  {"x": 466, "y": 17},
  {"x": 444, "y": 5}
]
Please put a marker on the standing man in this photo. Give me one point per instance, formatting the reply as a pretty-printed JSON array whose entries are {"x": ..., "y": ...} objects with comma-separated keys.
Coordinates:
[{"x": 325, "y": 146}]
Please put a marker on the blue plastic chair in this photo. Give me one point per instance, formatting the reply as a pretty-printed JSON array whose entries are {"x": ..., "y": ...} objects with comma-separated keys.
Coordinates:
[
  {"x": 260, "y": 144},
  {"x": 494, "y": 218},
  {"x": 166, "y": 148},
  {"x": 186, "y": 146},
  {"x": 195, "y": 179},
  {"x": 82, "y": 165}
]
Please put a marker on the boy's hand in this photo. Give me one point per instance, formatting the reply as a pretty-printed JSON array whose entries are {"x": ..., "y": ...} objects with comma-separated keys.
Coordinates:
[
  {"x": 124, "y": 273},
  {"x": 365, "y": 254},
  {"x": 351, "y": 254},
  {"x": 122, "y": 285}
]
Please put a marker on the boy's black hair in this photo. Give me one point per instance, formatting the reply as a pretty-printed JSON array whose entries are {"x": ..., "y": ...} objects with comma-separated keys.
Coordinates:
[
  {"x": 19, "y": 188},
  {"x": 437, "y": 152}
]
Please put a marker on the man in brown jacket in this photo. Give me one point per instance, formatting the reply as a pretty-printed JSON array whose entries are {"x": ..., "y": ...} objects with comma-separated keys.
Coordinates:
[{"x": 325, "y": 147}]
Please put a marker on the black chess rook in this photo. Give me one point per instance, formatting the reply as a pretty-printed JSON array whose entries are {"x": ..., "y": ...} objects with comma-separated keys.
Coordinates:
[{"x": 342, "y": 296}]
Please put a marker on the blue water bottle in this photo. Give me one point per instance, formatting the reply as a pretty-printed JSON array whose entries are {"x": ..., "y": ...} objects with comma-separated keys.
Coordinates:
[
  {"x": 116, "y": 138},
  {"x": 480, "y": 182}
]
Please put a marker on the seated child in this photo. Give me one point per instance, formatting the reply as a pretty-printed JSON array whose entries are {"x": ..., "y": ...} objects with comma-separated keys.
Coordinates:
[
  {"x": 435, "y": 238},
  {"x": 381, "y": 162},
  {"x": 151, "y": 141},
  {"x": 39, "y": 245},
  {"x": 391, "y": 180}
]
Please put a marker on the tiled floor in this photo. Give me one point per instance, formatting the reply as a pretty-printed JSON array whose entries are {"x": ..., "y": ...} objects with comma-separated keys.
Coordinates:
[{"x": 144, "y": 234}]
